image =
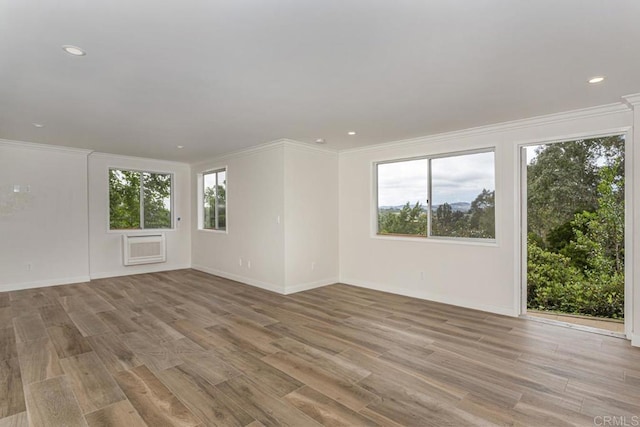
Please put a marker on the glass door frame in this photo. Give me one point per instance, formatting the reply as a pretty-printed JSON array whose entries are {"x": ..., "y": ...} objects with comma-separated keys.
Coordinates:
[{"x": 521, "y": 236}]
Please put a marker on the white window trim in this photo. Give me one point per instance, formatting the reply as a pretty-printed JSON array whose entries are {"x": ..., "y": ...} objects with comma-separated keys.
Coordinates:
[
  {"x": 200, "y": 200},
  {"x": 140, "y": 230},
  {"x": 471, "y": 241},
  {"x": 520, "y": 216}
]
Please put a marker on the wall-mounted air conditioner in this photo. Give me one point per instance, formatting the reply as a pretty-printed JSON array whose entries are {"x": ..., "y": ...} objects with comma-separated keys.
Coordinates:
[{"x": 143, "y": 249}]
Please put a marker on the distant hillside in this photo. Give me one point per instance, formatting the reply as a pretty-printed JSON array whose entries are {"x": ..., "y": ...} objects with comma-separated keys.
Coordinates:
[{"x": 456, "y": 207}]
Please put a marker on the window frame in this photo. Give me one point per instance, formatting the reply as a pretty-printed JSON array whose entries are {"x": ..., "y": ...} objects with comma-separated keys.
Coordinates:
[
  {"x": 481, "y": 241},
  {"x": 141, "y": 229},
  {"x": 200, "y": 200}
]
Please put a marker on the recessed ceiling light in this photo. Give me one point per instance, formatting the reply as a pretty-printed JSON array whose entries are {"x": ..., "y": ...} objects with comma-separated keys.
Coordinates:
[
  {"x": 596, "y": 79},
  {"x": 320, "y": 141},
  {"x": 37, "y": 125},
  {"x": 351, "y": 133},
  {"x": 180, "y": 146},
  {"x": 73, "y": 50}
]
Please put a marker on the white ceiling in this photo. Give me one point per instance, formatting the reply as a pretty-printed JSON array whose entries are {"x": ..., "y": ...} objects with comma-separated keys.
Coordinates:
[{"x": 220, "y": 75}]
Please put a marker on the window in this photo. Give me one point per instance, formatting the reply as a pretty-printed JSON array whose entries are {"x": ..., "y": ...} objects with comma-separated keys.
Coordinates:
[
  {"x": 139, "y": 200},
  {"x": 214, "y": 200},
  {"x": 445, "y": 196},
  {"x": 402, "y": 197}
]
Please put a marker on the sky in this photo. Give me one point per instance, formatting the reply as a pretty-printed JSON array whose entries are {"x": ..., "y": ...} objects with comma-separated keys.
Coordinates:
[
  {"x": 531, "y": 152},
  {"x": 454, "y": 179}
]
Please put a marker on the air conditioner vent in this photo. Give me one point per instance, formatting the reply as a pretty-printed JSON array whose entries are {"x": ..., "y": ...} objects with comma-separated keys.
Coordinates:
[{"x": 143, "y": 249}]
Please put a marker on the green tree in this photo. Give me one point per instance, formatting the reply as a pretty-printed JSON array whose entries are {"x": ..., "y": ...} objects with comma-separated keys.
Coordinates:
[
  {"x": 563, "y": 179},
  {"x": 599, "y": 236},
  {"x": 447, "y": 222},
  {"x": 157, "y": 198},
  {"x": 478, "y": 222},
  {"x": 215, "y": 197},
  {"x": 482, "y": 215},
  {"x": 552, "y": 282},
  {"x": 124, "y": 199},
  {"x": 580, "y": 269},
  {"x": 410, "y": 221}
]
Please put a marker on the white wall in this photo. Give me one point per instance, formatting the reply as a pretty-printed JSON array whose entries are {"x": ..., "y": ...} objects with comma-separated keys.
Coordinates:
[
  {"x": 311, "y": 217},
  {"x": 282, "y": 216},
  {"x": 45, "y": 227},
  {"x": 255, "y": 202},
  {"x": 634, "y": 233},
  {"x": 485, "y": 277},
  {"x": 106, "y": 246}
]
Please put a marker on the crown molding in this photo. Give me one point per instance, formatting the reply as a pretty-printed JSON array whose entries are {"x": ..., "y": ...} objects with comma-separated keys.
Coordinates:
[
  {"x": 584, "y": 113},
  {"x": 308, "y": 147},
  {"x": 632, "y": 100},
  {"x": 43, "y": 147},
  {"x": 245, "y": 151},
  {"x": 135, "y": 158},
  {"x": 282, "y": 142}
]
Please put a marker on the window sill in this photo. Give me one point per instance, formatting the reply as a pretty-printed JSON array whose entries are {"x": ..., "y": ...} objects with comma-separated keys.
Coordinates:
[
  {"x": 142, "y": 231},
  {"x": 438, "y": 240},
  {"x": 206, "y": 230}
]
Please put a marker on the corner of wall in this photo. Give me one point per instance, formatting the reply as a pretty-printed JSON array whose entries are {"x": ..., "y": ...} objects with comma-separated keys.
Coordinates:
[
  {"x": 292, "y": 289},
  {"x": 44, "y": 283},
  {"x": 105, "y": 245},
  {"x": 280, "y": 289}
]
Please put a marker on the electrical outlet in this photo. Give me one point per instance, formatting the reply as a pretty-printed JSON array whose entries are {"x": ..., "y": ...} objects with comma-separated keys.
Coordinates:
[
  {"x": 422, "y": 275},
  {"x": 240, "y": 262},
  {"x": 249, "y": 264},
  {"x": 29, "y": 266},
  {"x": 313, "y": 265}
]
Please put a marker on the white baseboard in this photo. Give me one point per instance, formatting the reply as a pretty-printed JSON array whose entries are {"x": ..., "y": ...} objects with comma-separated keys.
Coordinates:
[
  {"x": 246, "y": 280},
  {"x": 311, "y": 285},
  {"x": 44, "y": 283},
  {"x": 83, "y": 279},
  {"x": 426, "y": 295},
  {"x": 266, "y": 285},
  {"x": 151, "y": 268},
  {"x": 635, "y": 340}
]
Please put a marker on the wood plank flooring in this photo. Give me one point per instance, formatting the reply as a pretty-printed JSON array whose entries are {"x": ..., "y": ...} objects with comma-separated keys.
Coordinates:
[{"x": 184, "y": 348}]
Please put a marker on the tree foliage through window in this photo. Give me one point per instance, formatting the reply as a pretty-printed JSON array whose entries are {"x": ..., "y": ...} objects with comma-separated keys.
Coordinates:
[
  {"x": 127, "y": 211},
  {"x": 215, "y": 200},
  {"x": 576, "y": 227},
  {"x": 462, "y": 192}
]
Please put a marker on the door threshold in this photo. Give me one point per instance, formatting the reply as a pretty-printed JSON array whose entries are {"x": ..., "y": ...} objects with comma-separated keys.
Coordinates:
[{"x": 582, "y": 328}]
